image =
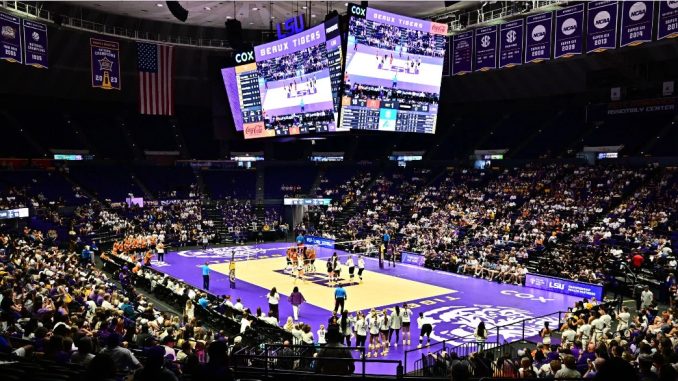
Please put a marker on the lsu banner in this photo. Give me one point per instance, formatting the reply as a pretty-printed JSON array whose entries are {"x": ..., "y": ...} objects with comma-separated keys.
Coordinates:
[
  {"x": 486, "y": 48},
  {"x": 538, "y": 41},
  {"x": 602, "y": 26},
  {"x": 320, "y": 241},
  {"x": 511, "y": 43},
  {"x": 446, "y": 57},
  {"x": 10, "y": 38},
  {"x": 564, "y": 286},
  {"x": 105, "y": 57},
  {"x": 412, "y": 258},
  {"x": 35, "y": 44},
  {"x": 462, "y": 53},
  {"x": 668, "y": 19},
  {"x": 569, "y": 31},
  {"x": 636, "y": 22}
]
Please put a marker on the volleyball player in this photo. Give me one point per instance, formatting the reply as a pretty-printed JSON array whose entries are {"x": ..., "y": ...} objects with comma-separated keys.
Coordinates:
[
  {"x": 425, "y": 329},
  {"x": 406, "y": 316},
  {"x": 395, "y": 322},
  {"x": 300, "y": 268},
  {"x": 351, "y": 267},
  {"x": 361, "y": 267},
  {"x": 360, "y": 330},
  {"x": 391, "y": 256},
  {"x": 373, "y": 325},
  {"x": 330, "y": 271},
  {"x": 383, "y": 331}
]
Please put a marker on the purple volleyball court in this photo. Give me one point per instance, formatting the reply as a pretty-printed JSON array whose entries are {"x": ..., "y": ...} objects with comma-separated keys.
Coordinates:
[{"x": 455, "y": 303}]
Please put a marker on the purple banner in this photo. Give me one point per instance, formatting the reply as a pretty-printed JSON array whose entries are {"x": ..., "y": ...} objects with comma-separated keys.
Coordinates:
[
  {"x": 462, "y": 53},
  {"x": 569, "y": 31},
  {"x": 511, "y": 43},
  {"x": 446, "y": 58},
  {"x": 289, "y": 45},
  {"x": 412, "y": 258},
  {"x": 538, "y": 41},
  {"x": 105, "y": 57},
  {"x": 486, "y": 48},
  {"x": 602, "y": 26},
  {"x": 35, "y": 44},
  {"x": 636, "y": 22},
  {"x": 668, "y": 19},
  {"x": 10, "y": 39},
  {"x": 564, "y": 286}
]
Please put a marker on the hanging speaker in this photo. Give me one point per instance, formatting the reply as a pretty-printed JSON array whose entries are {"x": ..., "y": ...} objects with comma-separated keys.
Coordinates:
[
  {"x": 234, "y": 32},
  {"x": 177, "y": 10}
]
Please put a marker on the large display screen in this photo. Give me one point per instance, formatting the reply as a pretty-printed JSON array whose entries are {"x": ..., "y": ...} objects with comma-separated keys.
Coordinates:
[
  {"x": 242, "y": 89},
  {"x": 394, "y": 66},
  {"x": 299, "y": 81}
]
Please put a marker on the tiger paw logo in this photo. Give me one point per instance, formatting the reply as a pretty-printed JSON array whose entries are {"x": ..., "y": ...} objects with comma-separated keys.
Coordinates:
[{"x": 457, "y": 324}]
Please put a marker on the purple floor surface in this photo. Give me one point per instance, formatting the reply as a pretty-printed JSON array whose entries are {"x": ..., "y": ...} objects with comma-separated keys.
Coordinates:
[{"x": 454, "y": 315}]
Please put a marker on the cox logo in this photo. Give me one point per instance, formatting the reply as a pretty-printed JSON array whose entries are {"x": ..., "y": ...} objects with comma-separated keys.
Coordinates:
[
  {"x": 358, "y": 11},
  {"x": 637, "y": 11},
  {"x": 538, "y": 33},
  {"x": 511, "y": 36},
  {"x": 244, "y": 57},
  {"x": 569, "y": 26},
  {"x": 601, "y": 20},
  {"x": 521, "y": 295}
]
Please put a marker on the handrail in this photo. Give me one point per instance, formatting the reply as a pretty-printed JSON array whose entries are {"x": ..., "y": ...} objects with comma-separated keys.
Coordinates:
[{"x": 114, "y": 31}]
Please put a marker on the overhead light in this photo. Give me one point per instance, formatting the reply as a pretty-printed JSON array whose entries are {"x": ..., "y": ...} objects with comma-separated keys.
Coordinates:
[
  {"x": 304, "y": 7},
  {"x": 272, "y": 17},
  {"x": 208, "y": 8},
  {"x": 159, "y": 5},
  {"x": 346, "y": 4},
  {"x": 228, "y": 17},
  {"x": 251, "y": 23},
  {"x": 313, "y": 15},
  {"x": 255, "y": 8}
]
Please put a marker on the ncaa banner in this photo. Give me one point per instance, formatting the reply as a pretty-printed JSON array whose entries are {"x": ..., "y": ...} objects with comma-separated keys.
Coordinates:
[
  {"x": 486, "y": 48},
  {"x": 602, "y": 26},
  {"x": 462, "y": 53},
  {"x": 668, "y": 19},
  {"x": 10, "y": 38},
  {"x": 538, "y": 41},
  {"x": 511, "y": 43},
  {"x": 105, "y": 64},
  {"x": 35, "y": 48},
  {"x": 636, "y": 22},
  {"x": 446, "y": 57},
  {"x": 569, "y": 31}
]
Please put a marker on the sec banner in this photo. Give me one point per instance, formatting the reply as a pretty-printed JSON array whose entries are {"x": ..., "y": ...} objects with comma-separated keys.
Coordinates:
[
  {"x": 486, "y": 48},
  {"x": 511, "y": 43},
  {"x": 10, "y": 38},
  {"x": 105, "y": 64},
  {"x": 636, "y": 22},
  {"x": 668, "y": 19},
  {"x": 538, "y": 41},
  {"x": 602, "y": 26},
  {"x": 462, "y": 53},
  {"x": 35, "y": 47},
  {"x": 569, "y": 31}
]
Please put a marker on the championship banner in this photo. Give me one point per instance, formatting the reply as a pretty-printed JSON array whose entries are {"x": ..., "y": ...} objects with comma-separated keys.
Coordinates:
[
  {"x": 569, "y": 31},
  {"x": 538, "y": 41},
  {"x": 668, "y": 19},
  {"x": 486, "y": 48},
  {"x": 10, "y": 38},
  {"x": 602, "y": 26},
  {"x": 511, "y": 43},
  {"x": 105, "y": 63},
  {"x": 636, "y": 22},
  {"x": 446, "y": 57},
  {"x": 35, "y": 44},
  {"x": 462, "y": 53},
  {"x": 564, "y": 286}
]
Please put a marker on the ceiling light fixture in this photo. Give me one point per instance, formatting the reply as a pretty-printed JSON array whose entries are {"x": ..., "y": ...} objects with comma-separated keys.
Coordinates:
[
  {"x": 208, "y": 8},
  {"x": 313, "y": 15},
  {"x": 304, "y": 7},
  {"x": 255, "y": 8},
  {"x": 159, "y": 5}
]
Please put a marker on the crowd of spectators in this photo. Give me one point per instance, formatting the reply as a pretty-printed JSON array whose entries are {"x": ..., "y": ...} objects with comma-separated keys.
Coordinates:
[{"x": 295, "y": 65}]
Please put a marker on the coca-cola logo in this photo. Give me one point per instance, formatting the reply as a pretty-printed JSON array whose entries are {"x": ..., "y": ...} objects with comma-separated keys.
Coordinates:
[{"x": 254, "y": 130}]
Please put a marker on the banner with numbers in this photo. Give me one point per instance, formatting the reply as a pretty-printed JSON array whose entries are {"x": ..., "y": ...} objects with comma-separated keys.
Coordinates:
[
  {"x": 636, "y": 22},
  {"x": 10, "y": 38},
  {"x": 511, "y": 43},
  {"x": 602, "y": 26},
  {"x": 486, "y": 48},
  {"x": 538, "y": 41},
  {"x": 462, "y": 53},
  {"x": 569, "y": 31},
  {"x": 105, "y": 63},
  {"x": 668, "y": 19},
  {"x": 35, "y": 44}
]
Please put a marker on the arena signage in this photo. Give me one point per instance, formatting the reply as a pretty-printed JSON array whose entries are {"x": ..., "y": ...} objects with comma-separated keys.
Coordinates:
[
  {"x": 290, "y": 27},
  {"x": 320, "y": 241},
  {"x": 11, "y": 49},
  {"x": 511, "y": 43},
  {"x": 564, "y": 286},
  {"x": 462, "y": 53},
  {"x": 636, "y": 22},
  {"x": 412, "y": 258},
  {"x": 538, "y": 40},
  {"x": 244, "y": 57},
  {"x": 602, "y": 26},
  {"x": 667, "y": 26},
  {"x": 486, "y": 48},
  {"x": 569, "y": 31}
]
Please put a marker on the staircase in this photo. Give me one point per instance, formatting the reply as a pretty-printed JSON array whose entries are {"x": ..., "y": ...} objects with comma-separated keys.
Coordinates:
[{"x": 211, "y": 211}]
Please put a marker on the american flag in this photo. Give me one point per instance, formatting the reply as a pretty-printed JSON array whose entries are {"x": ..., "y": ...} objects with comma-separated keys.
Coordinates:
[{"x": 156, "y": 79}]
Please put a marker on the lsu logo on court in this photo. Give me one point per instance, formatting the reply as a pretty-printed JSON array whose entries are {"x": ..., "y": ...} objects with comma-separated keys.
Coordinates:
[{"x": 244, "y": 57}]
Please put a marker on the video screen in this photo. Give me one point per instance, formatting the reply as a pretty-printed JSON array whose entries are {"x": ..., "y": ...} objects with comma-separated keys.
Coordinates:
[
  {"x": 242, "y": 89},
  {"x": 394, "y": 66},
  {"x": 299, "y": 82}
]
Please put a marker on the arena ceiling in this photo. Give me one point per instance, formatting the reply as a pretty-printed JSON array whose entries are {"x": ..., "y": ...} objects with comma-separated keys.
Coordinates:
[{"x": 254, "y": 14}]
